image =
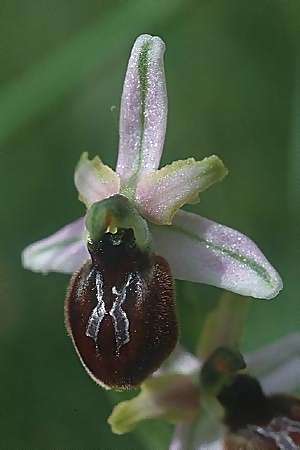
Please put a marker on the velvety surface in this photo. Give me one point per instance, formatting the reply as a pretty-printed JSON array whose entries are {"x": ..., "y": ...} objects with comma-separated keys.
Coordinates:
[{"x": 120, "y": 312}]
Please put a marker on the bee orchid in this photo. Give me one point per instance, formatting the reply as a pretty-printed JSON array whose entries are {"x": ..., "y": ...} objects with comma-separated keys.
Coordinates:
[
  {"x": 135, "y": 239},
  {"x": 215, "y": 405},
  {"x": 258, "y": 412}
]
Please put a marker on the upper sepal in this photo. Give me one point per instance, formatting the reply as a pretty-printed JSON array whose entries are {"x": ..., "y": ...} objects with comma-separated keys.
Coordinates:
[{"x": 143, "y": 115}]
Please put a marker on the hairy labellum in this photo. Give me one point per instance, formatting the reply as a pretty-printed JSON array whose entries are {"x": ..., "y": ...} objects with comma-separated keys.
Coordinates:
[
  {"x": 256, "y": 421},
  {"x": 120, "y": 311}
]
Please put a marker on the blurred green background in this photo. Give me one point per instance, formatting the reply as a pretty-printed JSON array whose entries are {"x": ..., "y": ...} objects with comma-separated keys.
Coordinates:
[{"x": 234, "y": 90}]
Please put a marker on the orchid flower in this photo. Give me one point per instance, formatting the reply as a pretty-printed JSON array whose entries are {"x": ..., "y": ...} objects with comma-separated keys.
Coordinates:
[
  {"x": 134, "y": 239},
  {"x": 257, "y": 410},
  {"x": 214, "y": 404},
  {"x": 197, "y": 249}
]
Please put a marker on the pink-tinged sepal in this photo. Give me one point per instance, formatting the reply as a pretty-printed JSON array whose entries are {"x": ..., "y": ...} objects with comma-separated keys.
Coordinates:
[
  {"x": 201, "y": 250},
  {"x": 143, "y": 114},
  {"x": 63, "y": 251}
]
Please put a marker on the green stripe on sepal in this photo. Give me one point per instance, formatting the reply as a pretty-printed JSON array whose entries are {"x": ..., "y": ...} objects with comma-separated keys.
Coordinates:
[
  {"x": 251, "y": 263},
  {"x": 143, "y": 64},
  {"x": 143, "y": 113},
  {"x": 204, "y": 251}
]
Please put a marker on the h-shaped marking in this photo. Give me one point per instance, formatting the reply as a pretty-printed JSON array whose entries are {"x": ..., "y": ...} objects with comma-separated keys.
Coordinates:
[{"x": 118, "y": 315}]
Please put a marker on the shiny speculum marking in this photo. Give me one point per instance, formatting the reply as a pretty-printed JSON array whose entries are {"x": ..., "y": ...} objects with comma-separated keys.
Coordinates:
[{"x": 118, "y": 315}]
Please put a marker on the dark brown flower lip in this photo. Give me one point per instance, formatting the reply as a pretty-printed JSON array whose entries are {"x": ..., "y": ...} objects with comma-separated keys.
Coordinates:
[
  {"x": 265, "y": 422},
  {"x": 120, "y": 312},
  {"x": 282, "y": 431}
]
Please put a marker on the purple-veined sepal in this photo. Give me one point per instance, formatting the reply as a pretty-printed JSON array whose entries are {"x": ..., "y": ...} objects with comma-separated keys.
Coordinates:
[{"x": 63, "y": 251}]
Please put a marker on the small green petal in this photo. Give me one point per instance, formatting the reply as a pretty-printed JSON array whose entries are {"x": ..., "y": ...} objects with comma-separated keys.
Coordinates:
[
  {"x": 94, "y": 180},
  {"x": 161, "y": 193},
  {"x": 173, "y": 397}
]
